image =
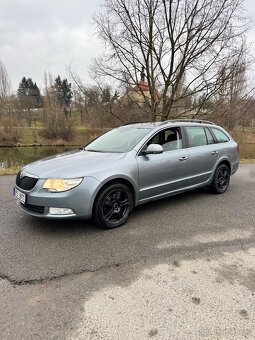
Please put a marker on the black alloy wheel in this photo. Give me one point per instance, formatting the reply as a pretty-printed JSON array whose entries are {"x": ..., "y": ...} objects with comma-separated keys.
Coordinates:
[
  {"x": 221, "y": 179},
  {"x": 113, "y": 206}
]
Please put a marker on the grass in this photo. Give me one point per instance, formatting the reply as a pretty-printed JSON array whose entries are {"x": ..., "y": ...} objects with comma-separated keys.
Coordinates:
[
  {"x": 247, "y": 161},
  {"x": 9, "y": 171},
  {"x": 16, "y": 132},
  {"x": 31, "y": 136}
]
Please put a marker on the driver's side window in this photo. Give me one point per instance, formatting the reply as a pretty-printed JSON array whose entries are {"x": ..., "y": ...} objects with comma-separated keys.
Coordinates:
[
  {"x": 170, "y": 139},
  {"x": 154, "y": 140}
]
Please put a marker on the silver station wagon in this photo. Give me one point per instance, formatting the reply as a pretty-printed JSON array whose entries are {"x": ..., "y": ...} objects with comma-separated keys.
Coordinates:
[{"x": 128, "y": 166}]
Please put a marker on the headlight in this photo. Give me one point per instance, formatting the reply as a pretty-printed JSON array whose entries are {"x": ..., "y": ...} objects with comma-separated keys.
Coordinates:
[{"x": 60, "y": 184}]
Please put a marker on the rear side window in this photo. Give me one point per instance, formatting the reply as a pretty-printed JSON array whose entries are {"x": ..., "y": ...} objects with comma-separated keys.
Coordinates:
[
  {"x": 196, "y": 136},
  {"x": 220, "y": 135},
  {"x": 209, "y": 136}
]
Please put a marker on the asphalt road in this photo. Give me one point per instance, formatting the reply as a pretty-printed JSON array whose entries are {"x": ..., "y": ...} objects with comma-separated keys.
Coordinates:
[{"x": 49, "y": 269}]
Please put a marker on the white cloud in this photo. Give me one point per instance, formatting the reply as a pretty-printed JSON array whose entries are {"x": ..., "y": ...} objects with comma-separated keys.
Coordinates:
[
  {"x": 46, "y": 35},
  {"x": 38, "y": 36}
]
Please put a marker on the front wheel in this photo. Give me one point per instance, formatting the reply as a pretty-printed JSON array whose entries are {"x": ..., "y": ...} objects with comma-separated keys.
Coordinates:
[
  {"x": 113, "y": 206},
  {"x": 221, "y": 179}
]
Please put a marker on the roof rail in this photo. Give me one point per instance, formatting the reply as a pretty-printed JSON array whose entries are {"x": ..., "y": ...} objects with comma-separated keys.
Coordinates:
[
  {"x": 131, "y": 123},
  {"x": 136, "y": 122},
  {"x": 201, "y": 121}
]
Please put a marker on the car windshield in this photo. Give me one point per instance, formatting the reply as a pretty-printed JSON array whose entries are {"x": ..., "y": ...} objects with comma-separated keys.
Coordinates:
[{"x": 122, "y": 139}]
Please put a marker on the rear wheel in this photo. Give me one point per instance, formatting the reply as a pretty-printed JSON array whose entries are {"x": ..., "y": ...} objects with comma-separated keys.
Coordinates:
[
  {"x": 113, "y": 206},
  {"x": 221, "y": 179}
]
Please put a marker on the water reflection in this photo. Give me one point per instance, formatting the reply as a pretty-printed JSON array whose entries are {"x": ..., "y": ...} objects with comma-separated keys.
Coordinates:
[{"x": 12, "y": 157}]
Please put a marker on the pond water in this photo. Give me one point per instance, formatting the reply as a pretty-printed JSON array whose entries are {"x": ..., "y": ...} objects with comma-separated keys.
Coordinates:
[{"x": 12, "y": 157}]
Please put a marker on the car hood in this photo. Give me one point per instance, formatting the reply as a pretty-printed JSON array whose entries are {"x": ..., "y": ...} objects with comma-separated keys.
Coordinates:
[{"x": 72, "y": 164}]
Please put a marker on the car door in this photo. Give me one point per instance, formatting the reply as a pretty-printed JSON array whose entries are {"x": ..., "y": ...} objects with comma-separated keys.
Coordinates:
[
  {"x": 160, "y": 174},
  {"x": 203, "y": 154}
]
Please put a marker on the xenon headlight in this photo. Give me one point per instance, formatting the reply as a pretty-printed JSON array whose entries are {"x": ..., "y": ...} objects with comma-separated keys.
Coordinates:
[{"x": 61, "y": 184}]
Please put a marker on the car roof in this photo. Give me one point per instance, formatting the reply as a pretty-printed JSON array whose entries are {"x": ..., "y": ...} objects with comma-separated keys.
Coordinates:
[{"x": 170, "y": 122}]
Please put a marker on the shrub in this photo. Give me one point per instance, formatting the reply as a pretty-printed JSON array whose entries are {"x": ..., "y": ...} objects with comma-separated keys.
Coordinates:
[{"x": 10, "y": 130}]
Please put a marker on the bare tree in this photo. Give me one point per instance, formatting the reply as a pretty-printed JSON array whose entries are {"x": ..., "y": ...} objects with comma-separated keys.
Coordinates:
[
  {"x": 5, "y": 88},
  {"x": 231, "y": 103},
  {"x": 98, "y": 98},
  {"x": 56, "y": 123},
  {"x": 182, "y": 45},
  {"x": 10, "y": 132}
]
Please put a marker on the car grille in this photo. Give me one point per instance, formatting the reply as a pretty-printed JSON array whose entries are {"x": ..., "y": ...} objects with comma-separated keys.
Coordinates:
[
  {"x": 26, "y": 183},
  {"x": 33, "y": 208}
]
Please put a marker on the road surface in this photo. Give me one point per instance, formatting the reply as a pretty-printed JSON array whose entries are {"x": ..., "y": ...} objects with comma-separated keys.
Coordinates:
[{"x": 181, "y": 268}]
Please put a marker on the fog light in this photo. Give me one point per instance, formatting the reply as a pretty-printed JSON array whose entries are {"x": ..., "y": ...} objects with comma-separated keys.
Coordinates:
[{"x": 61, "y": 211}]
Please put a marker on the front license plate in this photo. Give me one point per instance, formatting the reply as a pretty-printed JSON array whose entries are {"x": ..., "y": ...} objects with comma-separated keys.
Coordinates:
[{"x": 19, "y": 195}]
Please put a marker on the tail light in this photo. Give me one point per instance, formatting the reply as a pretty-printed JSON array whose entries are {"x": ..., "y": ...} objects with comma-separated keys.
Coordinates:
[{"x": 237, "y": 148}]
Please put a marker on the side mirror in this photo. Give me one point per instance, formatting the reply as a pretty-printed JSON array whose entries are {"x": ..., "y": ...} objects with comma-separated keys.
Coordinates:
[{"x": 153, "y": 149}]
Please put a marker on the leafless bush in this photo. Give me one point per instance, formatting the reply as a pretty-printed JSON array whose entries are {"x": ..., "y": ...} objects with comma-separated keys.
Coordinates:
[
  {"x": 10, "y": 131},
  {"x": 56, "y": 124}
]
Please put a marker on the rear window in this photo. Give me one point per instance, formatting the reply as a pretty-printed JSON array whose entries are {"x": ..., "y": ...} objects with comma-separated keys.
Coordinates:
[{"x": 220, "y": 135}]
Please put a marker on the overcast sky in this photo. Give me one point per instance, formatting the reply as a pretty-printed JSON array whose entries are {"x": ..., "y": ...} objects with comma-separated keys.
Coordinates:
[{"x": 46, "y": 35}]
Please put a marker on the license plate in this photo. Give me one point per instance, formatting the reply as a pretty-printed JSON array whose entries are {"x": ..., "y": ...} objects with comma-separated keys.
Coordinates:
[{"x": 19, "y": 195}]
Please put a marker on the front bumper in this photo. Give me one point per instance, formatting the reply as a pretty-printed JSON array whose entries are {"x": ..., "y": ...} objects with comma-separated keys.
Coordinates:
[{"x": 80, "y": 199}]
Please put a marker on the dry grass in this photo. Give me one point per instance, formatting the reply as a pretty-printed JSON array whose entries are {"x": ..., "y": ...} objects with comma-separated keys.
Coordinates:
[
  {"x": 247, "y": 161},
  {"x": 9, "y": 171}
]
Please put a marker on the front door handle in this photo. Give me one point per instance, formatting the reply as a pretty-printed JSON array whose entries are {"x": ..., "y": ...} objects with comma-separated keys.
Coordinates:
[
  {"x": 215, "y": 152},
  {"x": 184, "y": 158}
]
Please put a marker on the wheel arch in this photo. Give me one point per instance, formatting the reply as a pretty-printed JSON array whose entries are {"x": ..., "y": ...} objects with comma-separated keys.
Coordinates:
[
  {"x": 120, "y": 180},
  {"x": 214, "y": 185},
  {"x": 226, "y": 162},
  {"x": 220, "y": 162}
]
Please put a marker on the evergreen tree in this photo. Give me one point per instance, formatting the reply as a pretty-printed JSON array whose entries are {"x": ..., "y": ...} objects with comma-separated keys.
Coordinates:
[
  {"x": 63, "y": 92},
  {"x": 22, "y": 90},
  {"x": 35, "y": 93},
  {"x": 29, "y": 93}
]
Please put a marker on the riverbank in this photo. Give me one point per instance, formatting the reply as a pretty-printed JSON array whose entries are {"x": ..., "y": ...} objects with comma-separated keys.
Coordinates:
[
  {"x": 9, "y": 171},
  {"x": 14, "y": 158},
  {"x": 32, "y": 136},
  {"x": 32, "y": 146}
]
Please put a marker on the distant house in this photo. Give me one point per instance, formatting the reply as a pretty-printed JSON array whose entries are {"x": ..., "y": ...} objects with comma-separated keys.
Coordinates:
[{"x": 140, "y": 92}]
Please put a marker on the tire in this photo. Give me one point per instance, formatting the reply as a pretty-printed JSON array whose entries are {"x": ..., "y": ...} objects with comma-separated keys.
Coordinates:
[
  {"x": 113, "y": 206},
  {"x": 221, "y": 179}
]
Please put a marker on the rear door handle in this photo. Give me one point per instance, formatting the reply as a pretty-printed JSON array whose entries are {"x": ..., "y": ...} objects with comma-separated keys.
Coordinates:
[
  {"x": 215, "y": 152},
  {"x": 184, "y": 158}
]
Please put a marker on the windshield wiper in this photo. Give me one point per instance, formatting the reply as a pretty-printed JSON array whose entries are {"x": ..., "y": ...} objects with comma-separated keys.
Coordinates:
[{"x": 91, "y": 150}]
